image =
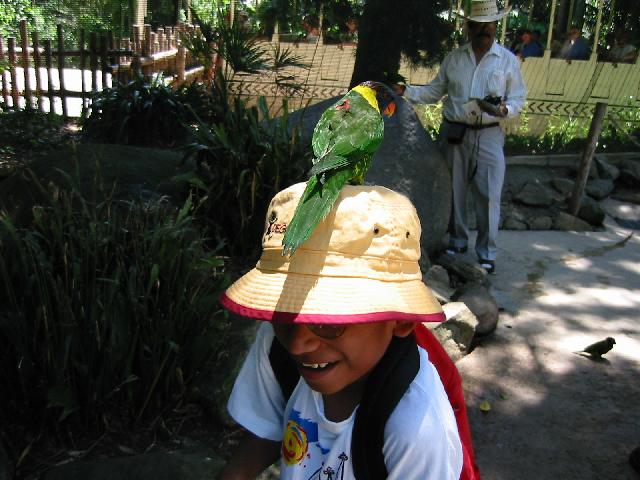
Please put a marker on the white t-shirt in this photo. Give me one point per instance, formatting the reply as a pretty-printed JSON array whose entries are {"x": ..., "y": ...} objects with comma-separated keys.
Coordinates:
[{"x": 420, "y": 439}]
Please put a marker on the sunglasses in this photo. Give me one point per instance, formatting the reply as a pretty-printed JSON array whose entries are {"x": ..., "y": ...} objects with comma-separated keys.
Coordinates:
[{"x": 328, "y": 332}]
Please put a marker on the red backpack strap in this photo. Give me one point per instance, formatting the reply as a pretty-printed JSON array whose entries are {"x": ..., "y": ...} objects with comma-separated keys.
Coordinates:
[{"x": 452, "y": 382}]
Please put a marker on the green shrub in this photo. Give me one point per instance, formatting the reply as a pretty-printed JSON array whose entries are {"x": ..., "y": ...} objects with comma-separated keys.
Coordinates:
[
  {"x": 143, "y": 112},
  {"x": 30, "y": 131},
  {"x": 240, "y": 164},
  {"x": 107, "y": 311}
]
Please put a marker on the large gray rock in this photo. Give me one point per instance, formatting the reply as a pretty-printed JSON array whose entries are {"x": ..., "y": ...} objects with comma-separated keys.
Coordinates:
[
  {"x": 541, "y": 222},
  {"x": 568, "y": 223},
  {"x": 437, "y": 279},
  {"x": 536, "y": 194},
  {"x": 457, "y": 332},
  {"x": 177, "y": 465},
  {"x": 605, "y": 169},
  {"x": 600, "y": 188},
  {"x": 591, "y": 211},
  {"x": 564, "y": 186},
  {"x": 630, "y": 172},
  {"x": 407, "y": 161},
  {"x": 481, "y": 303}
]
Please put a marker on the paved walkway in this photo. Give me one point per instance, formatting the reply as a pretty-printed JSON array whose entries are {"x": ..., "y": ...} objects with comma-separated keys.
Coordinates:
[{"x": 555, "y": 414}]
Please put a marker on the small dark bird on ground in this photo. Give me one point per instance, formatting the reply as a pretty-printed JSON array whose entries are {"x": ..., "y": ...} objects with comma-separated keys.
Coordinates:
[{"x": 596, "y": 350}]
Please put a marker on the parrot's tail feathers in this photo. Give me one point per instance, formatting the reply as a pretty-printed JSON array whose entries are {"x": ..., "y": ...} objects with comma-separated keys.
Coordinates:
[
  {"x": 314, "y": 205},
  {"x": 330, "y": 162}
]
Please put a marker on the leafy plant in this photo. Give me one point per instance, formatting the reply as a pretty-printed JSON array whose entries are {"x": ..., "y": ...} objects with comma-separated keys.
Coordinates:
[
  {"x": 28, "y": 132},
  {"x": 107, "y": 309},
  {"x": 142, "y": 112},
  {"x": 240, "y": 163}
]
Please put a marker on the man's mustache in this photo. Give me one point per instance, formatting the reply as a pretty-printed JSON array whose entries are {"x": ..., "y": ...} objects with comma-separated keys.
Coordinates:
[{"x": 482, "y": 34}]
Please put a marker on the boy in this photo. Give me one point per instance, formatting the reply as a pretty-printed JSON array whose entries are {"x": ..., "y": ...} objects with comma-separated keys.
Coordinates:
[{"x": 340, "y": 306}]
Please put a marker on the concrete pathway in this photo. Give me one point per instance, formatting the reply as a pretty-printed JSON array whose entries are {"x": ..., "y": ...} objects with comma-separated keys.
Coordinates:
[{"x": 555, "y": 414}]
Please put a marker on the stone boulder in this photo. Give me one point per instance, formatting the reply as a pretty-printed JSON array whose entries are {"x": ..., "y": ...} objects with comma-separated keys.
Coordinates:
[
  {"x": 605, "y": 169},
  {"x": 481, "y": 303},
  {"x": 437, "y": 279},
  {"x": 564, "y": 186},
  {"x": 457, "y": 332},
  {"x": 591, "y": 211},
  {"x": 599, "y": 189},
  {"x": 541, "y": 222},
  {"x": 407, "y": 161},
  {"x": 536, "y": 194},
  {"x": 568, "y": 223},
  {"x": 630, "y": 172}
]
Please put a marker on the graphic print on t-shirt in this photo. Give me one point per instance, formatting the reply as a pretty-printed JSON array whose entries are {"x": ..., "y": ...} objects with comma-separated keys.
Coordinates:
[{"x": 301, "y": 448}]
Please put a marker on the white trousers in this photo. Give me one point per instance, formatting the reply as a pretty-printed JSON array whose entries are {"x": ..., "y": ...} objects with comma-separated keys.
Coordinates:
[{"x": 477, "y": 162}]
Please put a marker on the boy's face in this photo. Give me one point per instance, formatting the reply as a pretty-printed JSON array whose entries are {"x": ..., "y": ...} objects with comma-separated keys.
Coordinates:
[{"x": 330, "y": 365}]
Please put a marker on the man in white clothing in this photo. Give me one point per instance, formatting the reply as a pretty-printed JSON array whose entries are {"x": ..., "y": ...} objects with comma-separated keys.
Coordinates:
[{"x": 483, "y": 85}]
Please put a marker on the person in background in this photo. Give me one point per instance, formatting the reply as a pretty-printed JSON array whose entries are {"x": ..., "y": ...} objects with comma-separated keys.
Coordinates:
[
  {"x": 529, "y": 47},
  {"x": 471, "y": 76},
  {"x": 352, "y": 29},
  {"x": 622, "y": 52},
  {"x": 311, "y": 25},
  {"x": 574, "y": 47}
]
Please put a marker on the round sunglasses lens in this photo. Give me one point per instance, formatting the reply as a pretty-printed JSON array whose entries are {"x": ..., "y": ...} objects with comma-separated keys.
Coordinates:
[{"x": 327, "y": 331}]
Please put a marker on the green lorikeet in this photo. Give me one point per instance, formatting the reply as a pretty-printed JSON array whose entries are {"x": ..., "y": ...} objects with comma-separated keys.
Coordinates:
[{"x": 344, "y": 141}]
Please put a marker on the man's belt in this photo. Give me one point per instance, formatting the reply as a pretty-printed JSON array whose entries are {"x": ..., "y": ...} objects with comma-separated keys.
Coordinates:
[{"x": 480, "y": 126}]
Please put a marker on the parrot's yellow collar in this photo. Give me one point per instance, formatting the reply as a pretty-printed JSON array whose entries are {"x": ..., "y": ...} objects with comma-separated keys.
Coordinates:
[{"x": 369, "y": 95}]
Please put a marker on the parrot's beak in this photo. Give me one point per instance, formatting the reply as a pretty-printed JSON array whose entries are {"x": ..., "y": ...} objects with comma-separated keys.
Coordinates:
[{"x": 390, "y": 109}]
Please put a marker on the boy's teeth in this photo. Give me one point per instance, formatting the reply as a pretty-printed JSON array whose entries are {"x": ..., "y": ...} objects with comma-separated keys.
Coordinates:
[{"x": 315, "y": 365}]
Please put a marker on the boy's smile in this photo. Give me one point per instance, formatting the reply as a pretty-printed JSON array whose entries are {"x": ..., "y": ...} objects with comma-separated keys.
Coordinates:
[{"x": 338, "y": 367}]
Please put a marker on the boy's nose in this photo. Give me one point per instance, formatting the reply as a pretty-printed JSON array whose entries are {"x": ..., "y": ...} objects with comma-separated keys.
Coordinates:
[{"x": 297, "y": 339}]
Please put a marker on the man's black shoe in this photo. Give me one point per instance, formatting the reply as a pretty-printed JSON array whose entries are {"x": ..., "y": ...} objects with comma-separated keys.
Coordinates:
[
  {"x": 455, "y": 250},
  {"x": 488, "y": 265}
]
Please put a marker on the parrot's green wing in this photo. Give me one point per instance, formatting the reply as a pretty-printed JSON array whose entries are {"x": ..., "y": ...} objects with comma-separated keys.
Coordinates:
[
  {"x": 351, "y": 128},
  {"x": 344, "y": 141},
  {"x": 330, "y": 162},
  {"x": 315, "y": 203}
]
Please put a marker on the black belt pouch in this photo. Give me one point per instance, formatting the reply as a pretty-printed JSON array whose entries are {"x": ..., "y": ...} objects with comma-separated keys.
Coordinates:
[{"x": 455, "y": 133}]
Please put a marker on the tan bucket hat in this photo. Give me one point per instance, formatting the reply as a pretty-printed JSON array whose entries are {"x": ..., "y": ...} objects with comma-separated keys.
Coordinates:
[
  {"x": 484, "y": 11},
  {"x": 360, "y": 264}
]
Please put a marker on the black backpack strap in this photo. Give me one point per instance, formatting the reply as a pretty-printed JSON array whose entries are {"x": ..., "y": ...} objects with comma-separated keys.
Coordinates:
[
  {"x": 284, "y": 368},
  {"x": 384, "y": 388}
]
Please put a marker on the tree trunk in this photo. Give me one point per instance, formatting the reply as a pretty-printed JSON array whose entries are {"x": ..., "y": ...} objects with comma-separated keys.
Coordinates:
[
  {"x": 562, "y": 16},
  {"x": 379, "y": 42}
]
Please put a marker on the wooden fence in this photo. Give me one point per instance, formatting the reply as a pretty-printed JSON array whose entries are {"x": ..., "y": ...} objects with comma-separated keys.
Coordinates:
[{"x": 45, "y": 75}]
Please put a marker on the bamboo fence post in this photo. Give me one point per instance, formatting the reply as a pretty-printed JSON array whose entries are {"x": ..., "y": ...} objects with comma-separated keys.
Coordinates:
[
  {"x": 104, "y": 60},
  {"x": 24, "y": 44},
  {"x": 63, "y": 92},
  {"x": 83, "y": 65},
  {"x": 4, "y": 79},
  {"x": 181, "y": 65},
  {"x": 93, "y": 60},
  {"x": 146, "y": 42},
  {"x": 137, "y": 40},
  {"x": 37, "y": 63},
  {"x": 160, "y": 39},
  {"x": 15, "y": 95},
  {"x": 153, "y": 43},
  {"x": 587, "y": 156},
  {"x": 48, "y": 56}
]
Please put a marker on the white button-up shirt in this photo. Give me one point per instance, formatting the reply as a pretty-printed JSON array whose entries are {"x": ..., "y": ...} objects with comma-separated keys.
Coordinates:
[{"x": 461, "y": 79}]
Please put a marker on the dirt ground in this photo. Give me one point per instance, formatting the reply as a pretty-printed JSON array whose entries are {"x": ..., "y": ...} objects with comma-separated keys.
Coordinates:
[{"x": 555, "y": 414}]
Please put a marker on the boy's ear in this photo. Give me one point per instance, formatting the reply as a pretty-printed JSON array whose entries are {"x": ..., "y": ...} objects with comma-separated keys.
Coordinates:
[{"x": 402, "y": 329}]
